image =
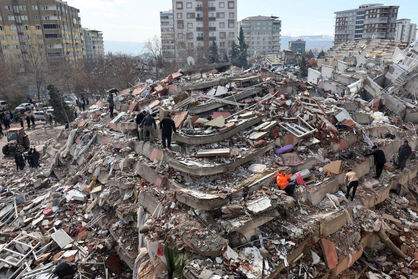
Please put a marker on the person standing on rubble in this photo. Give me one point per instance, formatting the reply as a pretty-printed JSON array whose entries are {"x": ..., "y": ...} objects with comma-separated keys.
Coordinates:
[
  {"x": 404, "y": 153},
  {"x": 111, "y": 104},
  {"x": 167, "y": 127},
  {"x": 148, "y": 126},
  {"x": 35, "y": 158},
  {"x": 379, "y": 160},
  {"x": 19, "y": 160},
  {"x": 351, "y": 181},
  {"x": 28, "y": 120},
  {"x": 139, "y": 118}
]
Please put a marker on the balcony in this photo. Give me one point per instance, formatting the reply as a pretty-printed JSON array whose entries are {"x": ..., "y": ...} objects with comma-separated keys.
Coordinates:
[
  {"x": 212, "y": 38},
  {"x": 199, "y": 38},
  {"x": 199, "y": 18},
  {"x": 199, "y": 28},
  {"x": 199, "y": 8},
  {"x": 212, "y": 18},
  {"x": 212, "y": 8},
  {"x": 212, "y": 28}
]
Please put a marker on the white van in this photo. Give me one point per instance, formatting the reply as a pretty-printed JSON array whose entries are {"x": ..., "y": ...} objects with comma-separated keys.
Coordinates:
[{"x": 3, "y": 105}]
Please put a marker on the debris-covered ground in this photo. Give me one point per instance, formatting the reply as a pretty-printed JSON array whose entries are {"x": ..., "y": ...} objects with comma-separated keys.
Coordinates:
[{"x": 210, "y": 207}]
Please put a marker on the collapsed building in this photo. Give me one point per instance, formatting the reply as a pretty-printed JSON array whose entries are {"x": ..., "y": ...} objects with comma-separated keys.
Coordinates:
[{"x": 210, "y": 207}]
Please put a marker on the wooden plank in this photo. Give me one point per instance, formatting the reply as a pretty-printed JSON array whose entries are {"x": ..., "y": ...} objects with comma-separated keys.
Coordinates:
[
  {"x": 213, "y": 152},
  {"x": 257, "y": 136}
]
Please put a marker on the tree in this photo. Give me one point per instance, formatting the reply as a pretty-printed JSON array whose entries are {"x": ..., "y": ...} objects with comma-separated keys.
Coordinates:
[
  {"x": 243, "y": 48},
  {"x": 303, "y": 67},
  {"x": 62, "y": 112},
  {"x": 213, "y": 53},
  {"x": 309, "y": 55},
  {"x": 37, "y": 67},
  {"x": 154, "y": 48},
  {"x": 234, "y": 55},
  {"x": 9, "y": 85},
  {"x": 321, "y": 54}
]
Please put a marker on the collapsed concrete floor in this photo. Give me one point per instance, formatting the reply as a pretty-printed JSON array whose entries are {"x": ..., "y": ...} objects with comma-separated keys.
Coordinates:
[{"x": 210, "y": 206}]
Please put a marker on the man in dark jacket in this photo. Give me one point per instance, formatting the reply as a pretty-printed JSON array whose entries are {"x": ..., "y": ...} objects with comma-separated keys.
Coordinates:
[
  {"x": 111, "y": 104},
  {"x": 379, "y": 160},
  {"x": 19, "y": 160},
  {"x": 148, "y": 126},
  {"x": 35, "y": 158},
  {"x": 167, "y": 127},
  {"x": 404, "y": 153},
  {"x": 138, "y": 121}
]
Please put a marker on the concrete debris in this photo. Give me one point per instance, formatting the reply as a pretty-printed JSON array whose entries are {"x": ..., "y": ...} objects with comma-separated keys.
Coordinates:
[{"x": 212, "y": 202}]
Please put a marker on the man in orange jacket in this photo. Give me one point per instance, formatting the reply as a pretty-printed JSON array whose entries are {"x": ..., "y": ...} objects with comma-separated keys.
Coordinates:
[{"x": 282, "y": 180}]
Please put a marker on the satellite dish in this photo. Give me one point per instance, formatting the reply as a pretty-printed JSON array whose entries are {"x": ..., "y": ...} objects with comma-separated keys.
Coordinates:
[{"x": 190, "y": 61}]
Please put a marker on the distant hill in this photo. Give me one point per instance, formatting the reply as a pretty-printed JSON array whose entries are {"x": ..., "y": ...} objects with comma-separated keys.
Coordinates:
[
  {"x": 131, "y": 48},
  {"x": 320, "y": 42}
]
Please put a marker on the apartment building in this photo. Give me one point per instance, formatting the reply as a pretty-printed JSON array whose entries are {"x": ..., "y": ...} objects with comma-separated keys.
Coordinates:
[
  {"x": 297, "y": 46},
  {"x": 167, "y": 36},
  {"x": 367, "y": 22},
  {"x": 406, "y": 31},
  {"x": 39, "y": 29},
  {"x": 262, "y": 34},
  {"x": 199, "y": 22},
  {"x": 93, "y": 45}
]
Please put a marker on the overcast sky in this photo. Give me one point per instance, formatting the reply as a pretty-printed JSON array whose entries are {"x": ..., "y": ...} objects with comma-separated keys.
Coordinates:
[{"x": 138, "y": 20}]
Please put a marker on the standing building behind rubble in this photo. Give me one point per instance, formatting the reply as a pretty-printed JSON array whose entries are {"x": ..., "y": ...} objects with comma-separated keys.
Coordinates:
[
  {"x": 93, "y": 46},
  {"x": 370, "y": 21},
  {"x": 406, "y": 31},
  {"x": 167, "y": 36},
  {"x": 262, "y": 34},
  {"x": 31, "y": 29},
  {"x": 199, "y": 22},
  {"x": 297, "y": 46}
]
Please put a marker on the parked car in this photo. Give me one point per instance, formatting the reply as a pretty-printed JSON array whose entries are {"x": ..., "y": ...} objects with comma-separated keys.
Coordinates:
[
  {"x": 39, "y": 116},
  {"x": 24, "y": 107},
  {"x": 3, "y": 105}
]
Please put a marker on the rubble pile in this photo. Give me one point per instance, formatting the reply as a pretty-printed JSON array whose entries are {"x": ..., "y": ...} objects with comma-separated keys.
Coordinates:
[{"x": 210, "y": 206}]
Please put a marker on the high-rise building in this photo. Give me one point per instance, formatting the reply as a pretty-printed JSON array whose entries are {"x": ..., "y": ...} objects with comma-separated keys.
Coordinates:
[
  {"x": 262, "y": 34},
  {"x": 167, "y": 36},
  {"x": 198, "y": 23},
  {"x": 297, "y": 46},
  {"x": 369, "y": 21},
  {"x": 406, "y": 31},
  {"x": 34, "y": 29},
  {"x": 93, "y": 46}
]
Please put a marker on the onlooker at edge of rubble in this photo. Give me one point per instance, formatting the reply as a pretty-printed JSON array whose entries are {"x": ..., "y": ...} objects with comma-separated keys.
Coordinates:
[
  {"x": 35, "y": 158},
  {"x": 351, "y": 181},
  {"x": 167, "y": 127},
  {"x": 1, "y": 130},
  {"x": 148, "y": 126},
  {"x": 32, "y": 119},
  {"x": 20, "y": 119},
  {"x": 28, "y": 120},
  {"x": 379, "y": 160},
  {"x": 404, "y": 153},
  {"x": 6, "y": 123},
  {"x": 19, "y": 160},
  {"x": 138, "y": 121}
]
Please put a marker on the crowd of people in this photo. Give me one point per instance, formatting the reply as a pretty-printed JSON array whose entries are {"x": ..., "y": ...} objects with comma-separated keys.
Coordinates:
[{"x": 32, "y": 158}]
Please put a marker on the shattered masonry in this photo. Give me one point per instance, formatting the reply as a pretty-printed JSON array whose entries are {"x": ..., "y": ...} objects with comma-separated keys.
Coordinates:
[{"x": 116, "y": 205}]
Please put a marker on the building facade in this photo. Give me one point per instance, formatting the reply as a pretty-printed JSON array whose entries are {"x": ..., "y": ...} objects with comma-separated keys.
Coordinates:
[
  {"x": 197, "y": 23},
  {"x": 167, "y": 36},
  {"x": 369, "y": 21},
  {"x": 262, "y": 34},
  {"x": 406, "y": 31},
  {"x": 33, "y": 30},
  {"x": 297, "y": 46},
  {"x": 93, "y": 45}
]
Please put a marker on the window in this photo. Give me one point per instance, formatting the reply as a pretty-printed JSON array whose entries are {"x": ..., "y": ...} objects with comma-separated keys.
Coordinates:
[
  {"x": 231, "y": 34},
  {"x": 46, "y": 17},
  {"x": 38, "y": 27},
  {"x": 189, "y": 5},
  {"x": 231, "y": 15},
  {"x": 24, "y": 17},
  {"x": 180, "y": 36},
  {"x": 221, "y": 15},
  {"x": 50, "y": 26},
  {"x": 34, "y": 7},
  {"x": 179, "y": 16},
  {"x": 190, "y": 36},
  {"x": 1, "y": 18},
  {"x": 179, "y": 5},
  {"x": 221, "y": 25},
  {"x": 5, "y": 47},
  {"x": 221, "y": 4},
  {"x": 8, "y": 8},
  {"x": 2, "y": 37},
  {"x": 22, "y": 8},
  {"x": 189, "y": 25},
  {"x": 15, "y": 38},
  {"x": 36, "y": 17},
  {"x": 26, "y": 27},
  {"x": 17, "y": 47},
  {"x": 13, "y": 27},
  {"x": 222, "y": 44},
  {"x": 231, "y": 4},
  {"x": 1, "y": 28},
  {"x": 11, "y": 18},
  {"x": 190, "y": 15},
  {"x": 51, "y": 36},
  {"x": 222, "y": 35},
  {"x": 231, "y": 25}
]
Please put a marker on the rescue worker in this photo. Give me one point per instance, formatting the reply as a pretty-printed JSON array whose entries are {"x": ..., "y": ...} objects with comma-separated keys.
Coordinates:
[
  {"x": 111, "y": 104},
  {"x": 148, "y": 126},
  {"x": 167, "y": 127},
  {"x": 138, "y": 121},
  {"x": 19, "y": 160},
  {"x": 35, "y": 158},
  {"x": 282, "y": 180},
  {"x": 379, "y": 160},
  {"x": 404, "y": 153},
  {"x": 32, "y": 119},
  {"x": 28, "y": 120},
  {"x": 351, "y": 181}
]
